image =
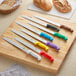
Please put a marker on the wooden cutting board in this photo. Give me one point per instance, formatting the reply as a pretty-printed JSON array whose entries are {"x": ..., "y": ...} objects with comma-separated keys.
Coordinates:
[{"x": 16, "y": 54}]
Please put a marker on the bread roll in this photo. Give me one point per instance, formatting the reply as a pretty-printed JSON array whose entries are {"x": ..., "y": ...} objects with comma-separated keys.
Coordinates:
[
  {"x": 8, "y": 6},
  {"x": 43, "y": 4},
  {"x": 62, "y": 6}
]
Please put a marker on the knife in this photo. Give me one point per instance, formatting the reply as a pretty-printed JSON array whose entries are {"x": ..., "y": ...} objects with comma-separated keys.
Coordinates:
[
  {"x": 42, "y": 40},
  {"x": 41, "y": 23},
  {"x": 37, "y": 43},
  {"x": 35, "y": 31},
  {"x": 23, "y": 49},
  {"x": 35, "y": 49},
  {"x": 57, "y": 24},
  {"x": 48, "y": 31}
]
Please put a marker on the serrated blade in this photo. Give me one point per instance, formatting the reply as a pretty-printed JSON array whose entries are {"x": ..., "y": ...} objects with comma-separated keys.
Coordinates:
[
  {"x": 34, "y": 20},
  {"x": 32, "y": 35},
  {"x": 35, "y": 55},
  {"x": 27, "y": 27},
  {"x": 15, "y": 44},
  {"x": 40, "y": 27},
  {"x": 49, "y": 21},
  {"x": 23, "y": 36},
  {"x": 28, "y": 45}
]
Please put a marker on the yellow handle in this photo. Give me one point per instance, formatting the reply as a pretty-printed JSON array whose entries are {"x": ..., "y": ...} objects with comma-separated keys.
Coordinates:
[{"x": 41, "y": 45}]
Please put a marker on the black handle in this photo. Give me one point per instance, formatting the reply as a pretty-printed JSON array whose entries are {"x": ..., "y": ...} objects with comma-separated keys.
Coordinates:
[{"x": 53, "y": 27}]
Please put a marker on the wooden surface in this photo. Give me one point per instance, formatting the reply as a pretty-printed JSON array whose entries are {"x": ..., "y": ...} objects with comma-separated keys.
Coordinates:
[{"x": 45, "y": 64}]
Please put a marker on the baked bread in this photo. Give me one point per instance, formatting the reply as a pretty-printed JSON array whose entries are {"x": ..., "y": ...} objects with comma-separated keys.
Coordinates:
[
  {"x": 8, "y": 6},
  {"x": 62, "y": 6},
  {"x": 43, "y": 4}
]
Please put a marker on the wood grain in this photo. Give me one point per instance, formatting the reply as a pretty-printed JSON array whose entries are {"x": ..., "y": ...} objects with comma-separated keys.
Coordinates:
[{"x": 16, "y": 54}]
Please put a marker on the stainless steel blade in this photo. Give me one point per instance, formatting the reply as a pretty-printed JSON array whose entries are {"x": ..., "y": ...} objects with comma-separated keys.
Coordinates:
[
  {"x": 49, "y": 21},
  {"x": 27, "y": 27},
  {"x": 23, "y": 36},
  {"x": 34, "y": 20},
  {"x": 15, "y": 44},
  {"x": 34, "y": 36},
  {"x": 30, "y": 52},
  {"x": 40, "y": 27},
  {"x": 28, "y": 45}
]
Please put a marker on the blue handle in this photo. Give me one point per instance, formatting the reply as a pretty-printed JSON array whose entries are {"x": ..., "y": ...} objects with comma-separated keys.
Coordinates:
[{"x": 46, "y": 36}]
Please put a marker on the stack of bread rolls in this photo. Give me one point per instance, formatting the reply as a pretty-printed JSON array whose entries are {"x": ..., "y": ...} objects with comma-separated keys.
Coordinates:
[{"x": 61, "y": 5}]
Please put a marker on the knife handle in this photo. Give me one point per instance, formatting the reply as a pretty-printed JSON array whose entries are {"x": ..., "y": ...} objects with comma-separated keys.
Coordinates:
[
  {"x": 67, "y": 28},
  {"x": 47, "y": 56},
  {"x": 46, "y": 36},
  {"x": 42, "y": 45},
  {"x": 60, "y": 36},
  {"x": 53, "y": 27},
  {"x": 38, "y": 57},
  {"x": 53, "y": 45}
]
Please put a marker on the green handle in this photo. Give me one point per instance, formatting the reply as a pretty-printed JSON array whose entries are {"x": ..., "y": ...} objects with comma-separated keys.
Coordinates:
[{"x": 60, "y": 36}]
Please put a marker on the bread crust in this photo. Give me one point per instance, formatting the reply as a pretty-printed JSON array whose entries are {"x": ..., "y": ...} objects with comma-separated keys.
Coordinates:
[
  {"x": 6, "y": 6},
  {"x": 62, "y": 6},
  {"x": 43, "y": 4}
]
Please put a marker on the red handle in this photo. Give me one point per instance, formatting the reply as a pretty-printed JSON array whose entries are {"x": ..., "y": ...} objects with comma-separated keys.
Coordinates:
[{"x": 47, "y": 56}]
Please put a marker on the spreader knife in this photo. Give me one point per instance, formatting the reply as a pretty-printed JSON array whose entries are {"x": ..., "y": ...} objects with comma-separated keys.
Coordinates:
[
  {"x": 35, "y": 49},
  {"x": 42, "y": 40},
  {"x": 48, "y": 31},
  {"x": 57, "y": 24},
  {"x": 37, "y": 43},
  {"x": 35, "y": 31},
  {"x": 23, "y": 49},
  {"x": 41, "y": 23}
]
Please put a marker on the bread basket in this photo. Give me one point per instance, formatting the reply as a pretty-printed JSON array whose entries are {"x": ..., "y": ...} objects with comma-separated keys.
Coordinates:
[{"x": 8, "y": 6}]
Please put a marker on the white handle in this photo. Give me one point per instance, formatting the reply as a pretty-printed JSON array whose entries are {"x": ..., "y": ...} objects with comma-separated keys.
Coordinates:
[
  {"x": 30, "y": 52},
  {"x": 34, "y": 55}
]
